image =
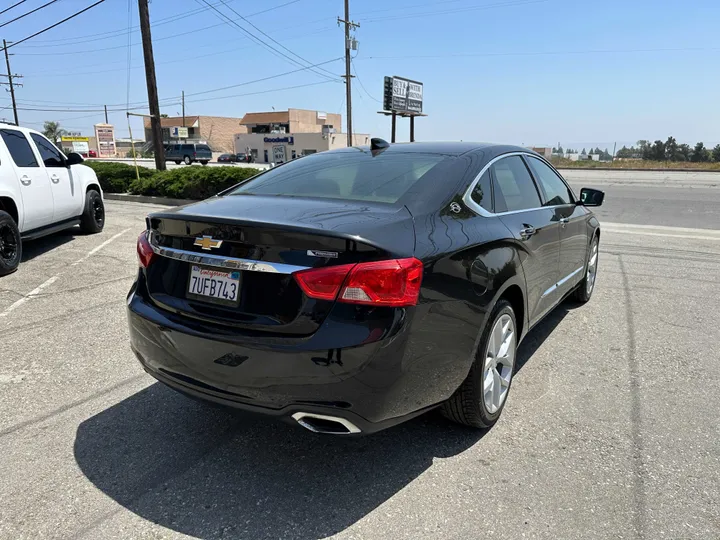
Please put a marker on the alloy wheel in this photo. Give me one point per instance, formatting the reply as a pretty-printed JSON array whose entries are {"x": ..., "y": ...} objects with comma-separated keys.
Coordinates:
[
  {"x": 499, "y": 363},
  {"x": 591, "y": 269},
  {"x": 8, "y": 243}
]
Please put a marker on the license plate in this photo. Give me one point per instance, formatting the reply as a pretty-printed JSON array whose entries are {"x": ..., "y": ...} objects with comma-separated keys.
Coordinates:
[{"x": 214, "y": 285}]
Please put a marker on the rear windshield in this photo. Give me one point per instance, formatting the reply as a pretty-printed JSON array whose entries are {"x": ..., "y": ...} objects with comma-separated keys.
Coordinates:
[{"x": 345, "y": 175}]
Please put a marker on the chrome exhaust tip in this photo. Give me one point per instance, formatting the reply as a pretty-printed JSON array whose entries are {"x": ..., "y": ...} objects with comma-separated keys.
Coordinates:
[{"x": 321, "y": 423}]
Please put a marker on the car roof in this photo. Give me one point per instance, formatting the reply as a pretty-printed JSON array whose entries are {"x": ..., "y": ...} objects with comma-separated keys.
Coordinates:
[{"x": 450, "y": 148}]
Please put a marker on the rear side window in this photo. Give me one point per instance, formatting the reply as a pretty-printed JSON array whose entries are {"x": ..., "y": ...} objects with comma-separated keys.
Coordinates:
[
  {"x": 203, "y": 148},
  {"x": 19, "y": 148},
  {"x": 556, "y": 191},
  {"x": 50, "y": 155},
  {"x": 188, "y": 148},
  {"x": 481, "y": 192},
  {"x": 356, "y": 175},
  {"x": 514, "y": 187}
]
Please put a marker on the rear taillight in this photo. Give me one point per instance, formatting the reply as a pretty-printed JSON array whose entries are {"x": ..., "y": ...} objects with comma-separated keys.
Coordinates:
[
  {"x": 145, "y": 251},
  {"x": 394, "y": 283}
]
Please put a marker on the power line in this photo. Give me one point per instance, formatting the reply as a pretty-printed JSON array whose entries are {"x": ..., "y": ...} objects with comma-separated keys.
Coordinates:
[
  {"x": 361, "y": 83},
  {"x": 160, "y": 22},
  {"x": 56, "y": 24},
  {"x": 256, "y": 39},
  {"x": 28, "y": 13},
  {"x": 456, "y": 10},
  {"x": 14, "y": 5},
  {"x": 274, "y": 40}
]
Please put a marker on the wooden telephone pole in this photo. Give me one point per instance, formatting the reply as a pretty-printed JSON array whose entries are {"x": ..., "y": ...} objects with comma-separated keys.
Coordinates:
[
  {"x": 10, "y": 82},
  {"x": 348, "y": 76},
  {"x": 153, "y": 103}
]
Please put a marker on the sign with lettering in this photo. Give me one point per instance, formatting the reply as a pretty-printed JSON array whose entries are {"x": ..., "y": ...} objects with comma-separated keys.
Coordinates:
[
  {"x": 289, "y": 140},
  {"x": 279, "y": 154},
  {"x": 178, "y": 132},
  {"x": 73, "y": 138},
  {"x": 402, "y": 95},
  {"x": 105, "y": 136}
]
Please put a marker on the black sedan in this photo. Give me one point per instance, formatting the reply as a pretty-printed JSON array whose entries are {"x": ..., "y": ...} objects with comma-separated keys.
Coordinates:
[
  {"x": 354, "y": 289},
  {"x": 229, "y": 158}
]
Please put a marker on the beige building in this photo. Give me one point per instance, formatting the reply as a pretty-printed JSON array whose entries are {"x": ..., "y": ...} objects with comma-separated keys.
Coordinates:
[
  {"x": 216, "y": 131},
  {"x": 277, "y": 137},
  {"x": 291, "y": 121}
]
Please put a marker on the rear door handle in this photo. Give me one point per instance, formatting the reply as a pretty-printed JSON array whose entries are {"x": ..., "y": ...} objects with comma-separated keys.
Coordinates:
[
  {"x": 55, "y": 178},
  {"x": 527, "y": 232},
  {"x": 564, "y": 221},
  {"x": 25, "y": 180}
]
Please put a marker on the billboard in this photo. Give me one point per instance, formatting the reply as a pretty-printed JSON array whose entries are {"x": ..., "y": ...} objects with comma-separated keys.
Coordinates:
[{"x": 402, "y": 95}]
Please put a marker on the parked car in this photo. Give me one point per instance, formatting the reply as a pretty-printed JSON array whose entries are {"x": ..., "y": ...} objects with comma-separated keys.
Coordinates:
[
  {"x": 354, "y": 289},
  {"x": 93, "y": 153},
  {"x": 188, "y": 153},
  {"x": 227, "y": 158},
  {"x": 42, "y": 191}
]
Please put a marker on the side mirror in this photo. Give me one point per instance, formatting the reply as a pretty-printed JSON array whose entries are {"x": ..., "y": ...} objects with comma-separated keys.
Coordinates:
[
  {"x": 73, "y": 158},
  {"x": 591, "y": 197}
]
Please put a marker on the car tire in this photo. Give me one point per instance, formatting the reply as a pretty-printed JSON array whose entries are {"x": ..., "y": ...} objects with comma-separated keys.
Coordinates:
[
  {"x": 10, "y": 244},
  {"x": 93, "y": 217},
  {"x": 187, "y": 160},
  {"x": 178, "y": 162},
  {"x": 482, "y": 396},
  {"x": 204, "y": 162},
  {"x": 587, "y": 285}
]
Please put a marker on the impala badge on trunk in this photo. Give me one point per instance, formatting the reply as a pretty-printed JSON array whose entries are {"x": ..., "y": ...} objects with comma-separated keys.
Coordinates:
[{"x": 207, "y": 243}]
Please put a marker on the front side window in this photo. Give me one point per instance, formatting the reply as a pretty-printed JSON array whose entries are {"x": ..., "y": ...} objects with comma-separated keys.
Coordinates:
[
  {"x": 481, "y": 192},
  {"x": 356, "y": 176},
  {"x": 514, "y": 187},
  {"x": 19, "y": 148},
  {"x": 556, "y": 191},
  {"x": 50, "y": 155}
]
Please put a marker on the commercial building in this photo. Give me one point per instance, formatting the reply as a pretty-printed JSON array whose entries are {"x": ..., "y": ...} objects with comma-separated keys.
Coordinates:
[
  {"x": 216, "y": 131},
  {"x": 276, "y": 137}
]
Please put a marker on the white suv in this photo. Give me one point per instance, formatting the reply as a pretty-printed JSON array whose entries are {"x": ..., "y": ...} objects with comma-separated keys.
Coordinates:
[{"x": 41, "y": 192}]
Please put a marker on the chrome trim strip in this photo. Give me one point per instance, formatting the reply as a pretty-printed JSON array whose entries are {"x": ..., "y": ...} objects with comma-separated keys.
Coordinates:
[
  {"x": 226, "y": 262},
  {"x": 569, "y": 276},
  {"x": 562, "y": 282},
  {"x": 347, "y": 424},
  {"x": 475, "y": 207}
]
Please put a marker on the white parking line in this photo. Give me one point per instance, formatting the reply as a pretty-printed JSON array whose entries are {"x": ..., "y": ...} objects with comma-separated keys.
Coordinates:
[
  {"x": 36, "y": 291},
  {"x": 660, "y": 230}
]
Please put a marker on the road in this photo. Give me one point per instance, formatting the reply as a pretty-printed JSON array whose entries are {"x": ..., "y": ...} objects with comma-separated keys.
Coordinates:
[{"x": 612, "y": 429}]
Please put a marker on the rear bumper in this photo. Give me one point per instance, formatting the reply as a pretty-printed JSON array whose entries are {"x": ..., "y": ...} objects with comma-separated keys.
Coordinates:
[{"x": 371, "y": 383}]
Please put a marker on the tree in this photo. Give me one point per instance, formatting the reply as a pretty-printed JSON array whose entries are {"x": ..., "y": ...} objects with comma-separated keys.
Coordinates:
[
  {"x": 685, "y": 151},
  {"x": 672, "y": 149},
  {"x": 657, "y": 151},
  {"x": 716, "y": 153},
  {"x": 700, "y": 153},
  {"x": 53, "y": 131},
  {"x": 583, "y": 151},
  {"x": 164, "y": 116},
  {"x": 624, "y": 152},
  {"x": 560, "y": 150}
]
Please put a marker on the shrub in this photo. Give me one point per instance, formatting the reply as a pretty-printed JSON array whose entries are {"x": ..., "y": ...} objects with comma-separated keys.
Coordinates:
[
  {"x": 116, "y": 177},
  {"x": 190, "y": 182}
]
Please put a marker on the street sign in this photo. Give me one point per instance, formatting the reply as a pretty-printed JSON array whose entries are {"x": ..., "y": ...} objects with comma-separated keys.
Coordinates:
[
  {"x": 402, "y": 95},
  {"x": 179, "y": 132}
]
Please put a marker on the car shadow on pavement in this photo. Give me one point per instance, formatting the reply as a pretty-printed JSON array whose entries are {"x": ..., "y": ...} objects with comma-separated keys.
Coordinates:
[
  {"x": 35, "y": 248},
  {"x": 212, "y": 473},
  {"x": 541, "y": 331}
]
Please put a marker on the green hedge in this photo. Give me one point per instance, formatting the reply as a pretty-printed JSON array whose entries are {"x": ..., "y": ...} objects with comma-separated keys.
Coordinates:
[
  {"x": 181, "y": 183},
  {"x": 116, "y": 177}
]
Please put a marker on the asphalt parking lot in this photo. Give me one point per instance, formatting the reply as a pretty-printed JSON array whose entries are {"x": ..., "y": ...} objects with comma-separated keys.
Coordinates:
[{"x": 612, "y": 429}]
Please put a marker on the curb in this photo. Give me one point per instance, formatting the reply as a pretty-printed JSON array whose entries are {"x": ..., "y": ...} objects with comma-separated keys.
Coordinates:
[
  {"x": 618, "y": 169},
  {"x": 126, "y": 197}
]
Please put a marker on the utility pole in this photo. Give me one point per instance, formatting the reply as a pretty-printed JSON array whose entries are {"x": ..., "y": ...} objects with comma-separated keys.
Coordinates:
[
  {"x": 106, "y": 118},
  {"x": 183, "y": 106},
  {"x": 348, "y": 77},
  {"x": 10, "y": 82},
  {"x": 153, "y": 103}
]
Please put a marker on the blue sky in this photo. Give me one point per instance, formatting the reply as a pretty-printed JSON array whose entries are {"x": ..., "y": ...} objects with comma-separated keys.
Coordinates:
[{"x": 516, "y": 71}]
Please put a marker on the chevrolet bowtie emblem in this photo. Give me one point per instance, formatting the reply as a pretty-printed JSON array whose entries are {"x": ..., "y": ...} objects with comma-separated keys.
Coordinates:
[{"x": 207, "y": 243}]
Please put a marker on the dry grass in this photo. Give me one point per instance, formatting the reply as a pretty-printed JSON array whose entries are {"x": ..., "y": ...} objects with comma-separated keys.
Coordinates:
[{"x": 635, "y": 164}]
